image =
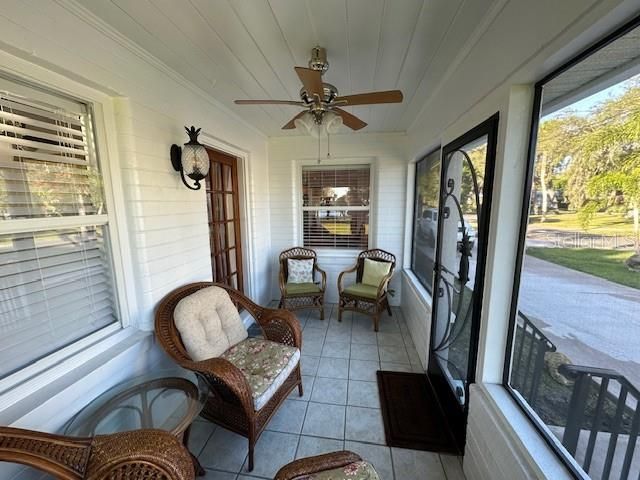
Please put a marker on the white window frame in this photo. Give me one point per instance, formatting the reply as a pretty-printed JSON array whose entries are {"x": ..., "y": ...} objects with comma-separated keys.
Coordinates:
[
  {"x": 299, "y": 208},
  {"x": 31, "y": 378}
]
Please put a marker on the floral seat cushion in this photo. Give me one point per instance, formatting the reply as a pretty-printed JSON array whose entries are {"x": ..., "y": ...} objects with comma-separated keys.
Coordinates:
[
  {"x": 265, "y": 364},
  {"x": 353, "y": 471}
]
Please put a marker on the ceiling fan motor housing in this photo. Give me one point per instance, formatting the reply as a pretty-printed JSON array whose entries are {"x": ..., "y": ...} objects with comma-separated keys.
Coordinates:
[
  {"x": 319, "y": 59},
  {"x": 329, "y": 93}
]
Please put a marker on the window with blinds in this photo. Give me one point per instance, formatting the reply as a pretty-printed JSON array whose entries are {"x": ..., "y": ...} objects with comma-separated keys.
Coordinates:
[
  {"x": 56, "y": 283},
  {"x": 335, "y": 206}
]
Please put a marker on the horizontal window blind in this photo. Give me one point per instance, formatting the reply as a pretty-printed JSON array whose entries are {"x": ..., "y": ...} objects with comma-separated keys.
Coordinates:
[
  {"x": 46, "y": 163},
  {"x": 335, "y": 206},
  {"x": 56, "y": 284},
  {"x": 55, "y": 287}
]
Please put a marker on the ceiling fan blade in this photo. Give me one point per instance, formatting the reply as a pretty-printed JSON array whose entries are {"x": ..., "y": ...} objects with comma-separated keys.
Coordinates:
[
  {"x": 388, "y": 96},
  {"x": 269, "y": 102},
  {"x": 351, "y": 121},
  {"x": 312, "y": 81},
  {"x": 291, "y": 123}
]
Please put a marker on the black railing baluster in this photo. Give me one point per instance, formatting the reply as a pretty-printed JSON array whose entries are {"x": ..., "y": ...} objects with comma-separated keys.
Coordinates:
[
  {"x": 576, "y": 413},
  {"x": 518, "y": 362},
  {"x": 615, "y": 428},
  {"x": 537, "y": 374},
  {"x": 631, "y": 445},
  {"x": 530, "y": 355},
  {"x": 595, "y": 427}
]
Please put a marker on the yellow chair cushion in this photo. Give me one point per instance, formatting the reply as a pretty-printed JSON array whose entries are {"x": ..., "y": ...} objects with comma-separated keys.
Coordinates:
[
  {"x": 301, "y": 288},
  {"x": 362, "y": 290},
  {"x": 374, "y": 272}
]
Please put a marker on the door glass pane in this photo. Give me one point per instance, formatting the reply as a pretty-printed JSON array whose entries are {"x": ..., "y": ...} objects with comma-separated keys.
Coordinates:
[
  {"x": 462, "y": 204},
  {"x": 217, "y": 175},
  {"x": 222, "y": 237},
  {"x": 218, "y": 207},
  {"x": 229, "y": 206},
  {"x": 425, "y": 228},
  {"x": 231, "y": 234},
  {"x": 232, "y": 260},
  {"x": 227, "y": 175}
]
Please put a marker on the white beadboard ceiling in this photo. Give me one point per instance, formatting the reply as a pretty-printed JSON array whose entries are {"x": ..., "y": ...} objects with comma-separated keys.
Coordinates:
[{"x": 241, "y": 49}]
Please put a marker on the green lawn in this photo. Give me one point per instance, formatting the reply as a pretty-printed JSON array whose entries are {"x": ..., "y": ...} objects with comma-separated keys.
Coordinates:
[
  {"x": 601, "y": 224},
  {"x": 607, "y": 264}
]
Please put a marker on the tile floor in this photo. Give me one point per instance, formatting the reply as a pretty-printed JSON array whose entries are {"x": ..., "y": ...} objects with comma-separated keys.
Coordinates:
[{"x": 340, "y": 408}]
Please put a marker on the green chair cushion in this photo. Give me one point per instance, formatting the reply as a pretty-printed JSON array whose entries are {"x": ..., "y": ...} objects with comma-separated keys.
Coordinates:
[
  {"x": 362, "y": 290},
  {"x": 301, "y": 288},
  {"x": 374, "y": 272}
]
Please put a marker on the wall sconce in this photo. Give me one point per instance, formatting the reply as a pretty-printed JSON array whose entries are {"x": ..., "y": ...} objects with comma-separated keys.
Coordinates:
[{"x": 191, "y": 160}]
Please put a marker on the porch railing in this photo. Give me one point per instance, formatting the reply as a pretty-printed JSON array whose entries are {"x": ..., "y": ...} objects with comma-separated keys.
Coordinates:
[
  {"x": 604, "y": 425},
  {"x": 529, "y": 361}
]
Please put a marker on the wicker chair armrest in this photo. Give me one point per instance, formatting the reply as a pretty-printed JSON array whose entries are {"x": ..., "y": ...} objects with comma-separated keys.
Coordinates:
[
  {"x": 382, "y": 289},
  {"x": 282, "y": 326},
  {"x": 319, "y": 463},
  {"x": 323, "y": 274},
  {"x": 152, "y": 454},
  {"x": 43, "y": 451},
  {"x": 223, "y": 371},
  {"x": 350, "y": 270},
  {"x": 281, "y": 282}
]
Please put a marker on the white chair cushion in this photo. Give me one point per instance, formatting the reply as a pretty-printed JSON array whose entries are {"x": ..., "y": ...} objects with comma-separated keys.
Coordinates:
[
  {"x": 300, "y": 271},
  {"x": 209, "y": 323},
  {"x": 265, "y": 364}
]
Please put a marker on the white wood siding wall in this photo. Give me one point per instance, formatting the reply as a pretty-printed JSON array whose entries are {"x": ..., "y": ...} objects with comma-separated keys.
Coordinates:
[{"x": 388, "y": 170}]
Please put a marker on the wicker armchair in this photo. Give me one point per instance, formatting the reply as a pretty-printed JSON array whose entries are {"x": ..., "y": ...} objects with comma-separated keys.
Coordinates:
[
  {"x": 368, "y": 301},
  {"x": 301, "y": 296},
  {"x": 139, "y": 454},
  {"x": 308, "y": 467},
  {"x": 230, "y": 402}
]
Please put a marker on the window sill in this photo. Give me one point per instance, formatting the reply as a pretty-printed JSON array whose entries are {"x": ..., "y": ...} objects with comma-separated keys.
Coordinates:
[
  {"x": 418, "y": 289},
  {"x": 525, "y": 440},
  {"x": 30, "y": 394}
]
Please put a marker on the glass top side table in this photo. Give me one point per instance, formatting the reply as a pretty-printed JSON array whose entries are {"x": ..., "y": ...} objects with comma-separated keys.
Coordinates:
[{"x": 166, "y": 399}]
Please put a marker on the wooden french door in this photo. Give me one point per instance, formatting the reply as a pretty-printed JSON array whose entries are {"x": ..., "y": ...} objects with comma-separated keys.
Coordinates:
[{"x": 223, "y": 208}]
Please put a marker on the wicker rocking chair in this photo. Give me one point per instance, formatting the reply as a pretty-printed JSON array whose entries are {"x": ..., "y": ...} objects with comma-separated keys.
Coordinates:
[
  {"x": 364, "y": 298},
  {"x": 342, "y": 465},
  {"x": 302, "y": 295},
  {"x": 230, "y": 403},
  {"x": 135, "y": 455}
]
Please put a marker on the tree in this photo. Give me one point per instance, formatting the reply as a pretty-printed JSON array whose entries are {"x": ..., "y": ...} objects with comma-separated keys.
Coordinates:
[
  {"x": 610, "y": 151},
  {"x": 556, "y": 146}
]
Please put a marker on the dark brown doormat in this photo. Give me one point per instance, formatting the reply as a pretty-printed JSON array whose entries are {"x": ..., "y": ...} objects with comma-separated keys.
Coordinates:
[{"x": 411, "y": 413}]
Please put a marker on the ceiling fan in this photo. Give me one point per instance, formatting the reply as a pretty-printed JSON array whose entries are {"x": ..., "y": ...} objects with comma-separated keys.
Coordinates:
[{"x": 321, "y": 100}]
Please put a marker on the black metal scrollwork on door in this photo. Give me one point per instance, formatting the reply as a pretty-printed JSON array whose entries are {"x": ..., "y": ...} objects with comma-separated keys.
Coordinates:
[{"x": 453, "y": 330}]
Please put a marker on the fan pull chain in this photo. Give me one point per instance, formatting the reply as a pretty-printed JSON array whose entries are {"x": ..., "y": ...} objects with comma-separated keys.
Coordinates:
[
  {"x": 318, "y": 149},
  {"x": 328, "y": 146}
]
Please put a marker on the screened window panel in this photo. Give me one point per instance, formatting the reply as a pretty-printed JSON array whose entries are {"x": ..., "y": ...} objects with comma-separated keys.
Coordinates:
[
  {"x": 336, "y": 206},
  {"x": 47, "y": 168},
  {"x": 55, "y": 288},
  {"x": 425, "y": 227}
]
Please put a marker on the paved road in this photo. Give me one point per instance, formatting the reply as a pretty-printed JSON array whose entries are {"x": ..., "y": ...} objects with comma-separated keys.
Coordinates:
[{"x": 605, "y": 332}]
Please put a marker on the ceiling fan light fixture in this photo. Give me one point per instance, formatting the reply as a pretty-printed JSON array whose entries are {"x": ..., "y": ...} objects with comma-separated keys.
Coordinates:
[
  {"x": 305, "y": 123},
  {"x": 331, "y": 122}
]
